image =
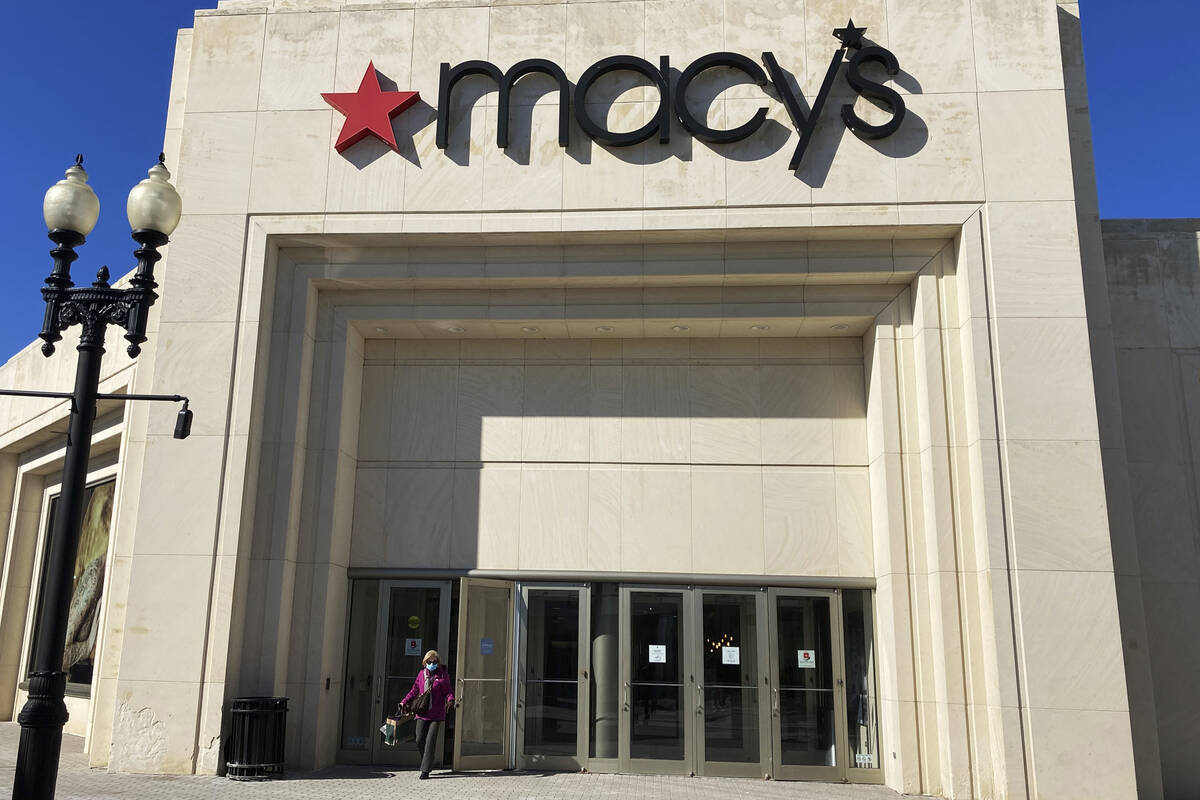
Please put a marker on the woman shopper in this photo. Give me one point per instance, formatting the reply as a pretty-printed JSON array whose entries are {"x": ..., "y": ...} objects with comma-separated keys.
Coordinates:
[{"x": 429, "y": 699}]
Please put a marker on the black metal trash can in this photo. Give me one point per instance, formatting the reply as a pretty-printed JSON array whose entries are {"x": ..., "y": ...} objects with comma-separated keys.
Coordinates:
[{"x": 256, "y": 738}]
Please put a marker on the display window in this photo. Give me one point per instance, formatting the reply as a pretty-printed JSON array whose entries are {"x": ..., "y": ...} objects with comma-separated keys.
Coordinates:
[{"x": 91, "y": 563}]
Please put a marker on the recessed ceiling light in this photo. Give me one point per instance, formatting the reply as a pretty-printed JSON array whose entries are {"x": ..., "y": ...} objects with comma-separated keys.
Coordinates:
[
  {"x": 455, "y": 329},
  {"x": 604, "y": 329},
  {"x": 839, "y": 327},
  {"x": 760, "y": 327},
  {"x": 529, "y": 329},
  {"x": 680, "y": 328},
  {"x": 380, "y": 330}
]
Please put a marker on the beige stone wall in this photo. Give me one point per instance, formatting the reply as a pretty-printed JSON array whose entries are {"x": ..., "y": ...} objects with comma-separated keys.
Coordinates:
[
  {"x": 695, "y": 456},
  {"x": 1153, "y": 271},
  {"x": 952, "y": 251}
]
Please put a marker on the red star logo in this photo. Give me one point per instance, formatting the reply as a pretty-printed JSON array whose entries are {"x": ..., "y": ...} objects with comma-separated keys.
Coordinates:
[{"x": 369, "y": 110}]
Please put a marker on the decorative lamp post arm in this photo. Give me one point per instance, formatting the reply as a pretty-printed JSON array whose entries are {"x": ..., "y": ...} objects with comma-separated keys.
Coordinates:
[
  {"x": 141, "y": 292},
  {"x": 57, "y": 283},
  {"x": 99, "y": 305}
]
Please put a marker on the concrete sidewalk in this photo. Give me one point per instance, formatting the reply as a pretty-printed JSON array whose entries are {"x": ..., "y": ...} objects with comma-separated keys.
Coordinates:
[{"x": 77, "y": 782}]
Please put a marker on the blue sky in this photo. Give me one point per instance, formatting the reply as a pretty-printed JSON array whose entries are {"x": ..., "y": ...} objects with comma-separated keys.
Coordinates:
[{"x": 93, "y": 77}]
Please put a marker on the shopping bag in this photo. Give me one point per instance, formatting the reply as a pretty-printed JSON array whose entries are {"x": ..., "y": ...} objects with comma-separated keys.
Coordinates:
[{"x": 398, "y": 730}]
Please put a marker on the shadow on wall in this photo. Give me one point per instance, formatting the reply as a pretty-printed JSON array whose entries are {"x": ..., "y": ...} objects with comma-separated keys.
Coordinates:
[
  {"x": 450, "y": 447},
  {"x": 1153, "y": 271},
  {"x": 626, "y": 100}
]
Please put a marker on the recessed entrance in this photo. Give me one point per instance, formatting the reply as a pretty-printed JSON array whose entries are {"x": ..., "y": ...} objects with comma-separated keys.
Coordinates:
[{"x": 728, "y": 681}]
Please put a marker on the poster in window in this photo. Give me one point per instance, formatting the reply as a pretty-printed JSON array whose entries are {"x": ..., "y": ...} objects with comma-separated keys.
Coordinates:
[{"x": 83, "y": 619}]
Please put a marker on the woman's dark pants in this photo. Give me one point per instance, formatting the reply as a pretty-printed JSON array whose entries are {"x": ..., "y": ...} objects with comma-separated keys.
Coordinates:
[{"x": 427, "y": 739}]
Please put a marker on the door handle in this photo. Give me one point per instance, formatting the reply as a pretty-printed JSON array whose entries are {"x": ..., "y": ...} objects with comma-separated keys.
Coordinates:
[
  {"x": 699, "y": 698},
  {"x": 458, "y": 698},
  {"x": 776, "y": 702},
  {"x": 626, "y": 695}
]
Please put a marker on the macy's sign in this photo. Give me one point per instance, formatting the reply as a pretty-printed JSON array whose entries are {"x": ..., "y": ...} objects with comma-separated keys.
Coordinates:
[{"x": 370, "y": 110}]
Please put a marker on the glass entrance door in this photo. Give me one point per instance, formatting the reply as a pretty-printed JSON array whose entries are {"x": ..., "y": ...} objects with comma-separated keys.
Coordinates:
[
  {"x": 482, "y": 693},
  {"x": 392, "y": 624},
  {"x": 552, "y": 705},
  {"x": 807, "y": 697},
  {"x": 658, "y": 700},
  {"x": 415, "y": 621},
  {"x": 732, "y": 732},
  {"x": 862, "y": 706}
]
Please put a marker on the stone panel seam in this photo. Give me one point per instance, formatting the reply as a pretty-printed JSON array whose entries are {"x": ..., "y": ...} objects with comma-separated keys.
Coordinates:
[
  {"x": 1189, "y": 457},
  {"x": 905, "y": 492},
  {"x": 1005, "y": 485},
  {"x": 956, "y": 522},
  {"x": 978, "y": 109},
  {"x": 337, "y": 48},
  {"x": 227, "y": 436},
  {"x": 895, "y": 162}
]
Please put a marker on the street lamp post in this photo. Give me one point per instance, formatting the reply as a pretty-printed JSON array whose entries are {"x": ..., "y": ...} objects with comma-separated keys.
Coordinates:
[{"x": 71, "y": 210}]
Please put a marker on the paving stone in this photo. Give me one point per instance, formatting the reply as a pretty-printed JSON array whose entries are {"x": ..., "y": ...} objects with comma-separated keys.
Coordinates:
[{"x": 77, "y": 782}]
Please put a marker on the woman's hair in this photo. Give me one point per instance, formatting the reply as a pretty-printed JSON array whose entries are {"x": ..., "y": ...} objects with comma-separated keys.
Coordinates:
[{"x": 429, "y": 655}]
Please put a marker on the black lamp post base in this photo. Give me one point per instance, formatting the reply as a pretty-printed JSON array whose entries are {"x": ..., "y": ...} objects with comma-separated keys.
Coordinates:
[{"x": 42, "y": 721}]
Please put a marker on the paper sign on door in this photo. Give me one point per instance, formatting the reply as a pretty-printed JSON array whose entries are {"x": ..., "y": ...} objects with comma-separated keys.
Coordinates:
[
  {"x": 807, "y": 659},
  {"x": 486, "y": 647},
  {"x": 412, "y": 647},
  {"x": 731, "y": 655},
  {"x": 658, "y": 654}
]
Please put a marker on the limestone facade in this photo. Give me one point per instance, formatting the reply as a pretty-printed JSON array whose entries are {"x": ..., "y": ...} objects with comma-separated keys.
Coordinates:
[{"x": 885, "y": 370}]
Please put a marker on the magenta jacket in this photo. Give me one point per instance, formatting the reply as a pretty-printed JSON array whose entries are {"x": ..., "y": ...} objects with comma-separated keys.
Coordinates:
[{"x": 442, "y": 695}]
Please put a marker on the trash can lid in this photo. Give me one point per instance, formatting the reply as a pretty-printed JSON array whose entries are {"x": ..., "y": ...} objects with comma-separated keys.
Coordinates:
[{"x": 251, "y": 703}]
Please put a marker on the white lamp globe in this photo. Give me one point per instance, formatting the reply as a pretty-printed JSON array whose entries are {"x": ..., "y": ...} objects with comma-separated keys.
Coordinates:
[
  {"x": 154, "y": 204},
  {"x": 71, "y": 204}
]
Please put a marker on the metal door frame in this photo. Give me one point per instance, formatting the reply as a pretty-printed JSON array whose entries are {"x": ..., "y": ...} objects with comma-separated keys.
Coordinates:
[
  {"x": 855, "y": 773},
  {"x": 377, "y": 752},
  {"x": 727, "y": 769},
  {"x": 400, "y": 755},
  {"x": 652, "y": 766},
  {"x": 502, "y": 760},
  {"x": 346, "y": 756},
  {"x": 521, "y": 628},
  {"x": 837, "y": 772}
]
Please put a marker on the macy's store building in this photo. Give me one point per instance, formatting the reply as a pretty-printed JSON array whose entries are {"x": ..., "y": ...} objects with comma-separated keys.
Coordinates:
[{"x": 720, "y": 387}]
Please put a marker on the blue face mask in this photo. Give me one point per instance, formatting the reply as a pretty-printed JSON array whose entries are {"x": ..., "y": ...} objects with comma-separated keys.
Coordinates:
[{"x": 431, "y": 667}]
